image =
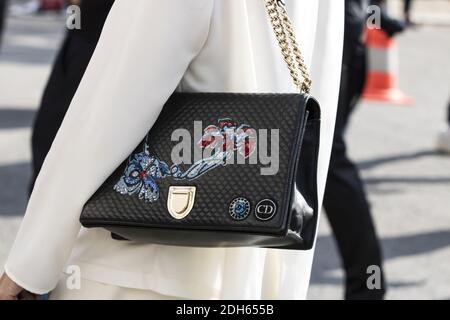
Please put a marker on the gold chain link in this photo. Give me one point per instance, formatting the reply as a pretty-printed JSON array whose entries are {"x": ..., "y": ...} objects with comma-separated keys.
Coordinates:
[{"x": 290, "y": 50}]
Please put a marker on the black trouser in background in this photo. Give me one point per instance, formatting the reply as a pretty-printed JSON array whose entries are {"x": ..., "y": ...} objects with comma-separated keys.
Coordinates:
[
  {"x": 345, "y": 200},
  {"x": 68, "y": 69}
]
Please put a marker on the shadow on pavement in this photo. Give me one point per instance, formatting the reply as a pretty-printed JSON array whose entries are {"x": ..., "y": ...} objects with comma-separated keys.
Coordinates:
[
  {"x": 14, "y": 180},
  {"x": 408, "y": 245},
  {"x": 11, "y": 118},
  {"x": 392, "y": 182},
  {"x": 327, "y": 262}
]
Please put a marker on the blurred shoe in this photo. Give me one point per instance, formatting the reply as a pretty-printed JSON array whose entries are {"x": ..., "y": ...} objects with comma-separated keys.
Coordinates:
[
  {"x": 411, "y": 24},
  {"x": 443, "y": 141}
]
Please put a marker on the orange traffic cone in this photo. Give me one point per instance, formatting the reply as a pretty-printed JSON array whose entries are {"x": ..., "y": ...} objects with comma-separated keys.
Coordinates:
[{"x": 381, "y": 82}]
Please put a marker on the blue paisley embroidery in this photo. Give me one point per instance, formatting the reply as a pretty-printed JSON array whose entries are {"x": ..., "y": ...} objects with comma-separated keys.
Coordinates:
[{"x": 143, "y": 170}]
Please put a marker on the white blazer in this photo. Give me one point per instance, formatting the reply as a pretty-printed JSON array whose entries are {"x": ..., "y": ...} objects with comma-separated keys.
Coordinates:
[{"x": 147, "y": 49}]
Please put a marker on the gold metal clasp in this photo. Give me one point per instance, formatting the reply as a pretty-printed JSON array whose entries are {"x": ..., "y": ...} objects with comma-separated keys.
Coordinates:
[{"x": 180, "y": 201}]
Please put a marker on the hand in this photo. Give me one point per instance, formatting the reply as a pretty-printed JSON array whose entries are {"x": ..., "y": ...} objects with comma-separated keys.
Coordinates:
[{"x": 9, "y": 290}]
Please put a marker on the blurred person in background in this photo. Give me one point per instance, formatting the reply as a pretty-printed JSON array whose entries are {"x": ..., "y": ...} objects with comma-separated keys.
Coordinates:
[
  {"x": 39, "y": 6},
  {"x": 68, "y": 69},
  {"x": 443, "y": 143},
  {"x": 407, "y": 11},
  {"x": 142, "y": 57},
  {"x": 51, "y": 5},
  {"x": 345, "y": 200}
]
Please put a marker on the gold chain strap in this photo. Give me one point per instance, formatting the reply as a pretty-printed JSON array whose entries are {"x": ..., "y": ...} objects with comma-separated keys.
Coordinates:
[{"x": 290, "y": 50}]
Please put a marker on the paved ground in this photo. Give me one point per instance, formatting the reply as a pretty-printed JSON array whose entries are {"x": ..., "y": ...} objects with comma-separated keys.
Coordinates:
[
  {"x": 408, "y": 183},
  {"x": 28, "y": 49}
]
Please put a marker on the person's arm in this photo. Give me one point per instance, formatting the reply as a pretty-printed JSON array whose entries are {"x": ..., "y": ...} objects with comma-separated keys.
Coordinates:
[{"x": 144, "y": 50}]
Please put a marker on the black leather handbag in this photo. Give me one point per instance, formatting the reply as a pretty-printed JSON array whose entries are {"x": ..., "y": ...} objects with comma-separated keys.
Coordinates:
[{"x": 251, "y": 181}]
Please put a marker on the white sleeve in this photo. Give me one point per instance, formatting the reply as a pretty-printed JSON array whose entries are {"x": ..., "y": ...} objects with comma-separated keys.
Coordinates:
[{"x": 144, "y": 50}]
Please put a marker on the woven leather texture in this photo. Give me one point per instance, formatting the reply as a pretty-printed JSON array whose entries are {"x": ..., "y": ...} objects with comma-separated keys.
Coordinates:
[{"x": 217, "y": 188}]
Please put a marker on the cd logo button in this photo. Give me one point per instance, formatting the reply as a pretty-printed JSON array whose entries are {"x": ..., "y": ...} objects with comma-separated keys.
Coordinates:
[{"x": 265, "y": 209}]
